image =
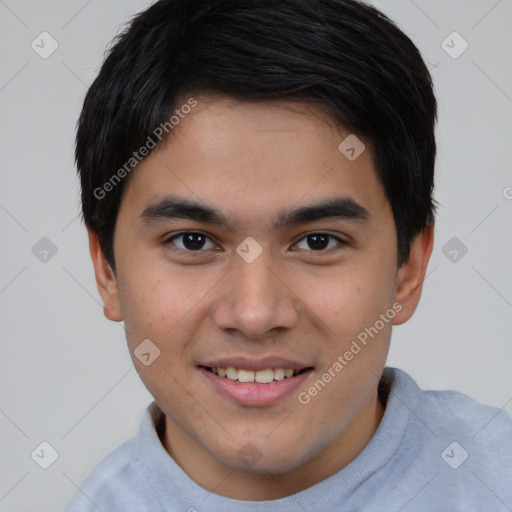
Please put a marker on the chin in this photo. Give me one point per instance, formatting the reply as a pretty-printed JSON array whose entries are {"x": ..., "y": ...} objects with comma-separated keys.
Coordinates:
[{"x": 263, "y": 458}]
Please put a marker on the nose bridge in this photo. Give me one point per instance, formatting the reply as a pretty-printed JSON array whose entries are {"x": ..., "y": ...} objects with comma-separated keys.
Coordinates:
[
  {"x": 254, "y": 300},
  {"x": 255, "y": 282}
]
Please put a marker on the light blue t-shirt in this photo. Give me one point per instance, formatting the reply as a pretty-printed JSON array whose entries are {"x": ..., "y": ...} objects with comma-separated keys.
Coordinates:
[{"x": 433, "y": 451}]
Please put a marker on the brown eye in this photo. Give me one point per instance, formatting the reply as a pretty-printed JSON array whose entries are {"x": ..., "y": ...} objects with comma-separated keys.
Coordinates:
[
  {"x": 191, "y": 241},
  {"x": 318, "y": 242}
]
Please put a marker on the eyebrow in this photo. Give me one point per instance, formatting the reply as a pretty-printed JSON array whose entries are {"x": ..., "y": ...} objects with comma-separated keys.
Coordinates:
[{"x": 175, "y": 207}]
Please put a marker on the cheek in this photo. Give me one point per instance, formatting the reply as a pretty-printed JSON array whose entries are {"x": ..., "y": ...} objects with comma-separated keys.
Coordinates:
[
  {"x": 347, "y": 298},
  {"x": 161, "y": 303},
  {"x": 151, "y": 307}
]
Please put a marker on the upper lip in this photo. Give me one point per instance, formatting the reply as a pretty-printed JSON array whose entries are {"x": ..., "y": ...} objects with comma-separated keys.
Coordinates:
[{"x": 256, "y": 364}]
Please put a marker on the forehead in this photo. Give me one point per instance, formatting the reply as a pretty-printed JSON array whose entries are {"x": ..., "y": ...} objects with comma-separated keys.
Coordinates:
[
  {"x": 247, "y": 123},
  {"x": 259, "y": 114},
  {"x": 248, "y": 158}
]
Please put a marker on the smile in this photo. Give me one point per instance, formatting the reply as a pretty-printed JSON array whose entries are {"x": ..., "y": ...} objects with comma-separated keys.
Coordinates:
[
  {"x": 264, "y": 376},
  {"x": 261, "y": 387}
]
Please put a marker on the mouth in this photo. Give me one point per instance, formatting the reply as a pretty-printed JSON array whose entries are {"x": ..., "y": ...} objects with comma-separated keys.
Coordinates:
[
  {"x": 263, "y": 377},
  {"x": 262, "y": 384}
]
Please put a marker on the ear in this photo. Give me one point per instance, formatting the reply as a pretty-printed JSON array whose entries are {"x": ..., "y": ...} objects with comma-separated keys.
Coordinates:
[
  {"x": 410, "y": 277},
  {"x": 106, "y": 280}
]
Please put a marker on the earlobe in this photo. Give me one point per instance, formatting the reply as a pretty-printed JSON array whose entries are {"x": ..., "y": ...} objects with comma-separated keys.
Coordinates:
[
  {"x": 106, "y": 280},
  {"x": 411, "y": 275}
]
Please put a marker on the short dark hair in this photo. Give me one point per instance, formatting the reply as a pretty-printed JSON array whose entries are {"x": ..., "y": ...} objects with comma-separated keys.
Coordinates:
[{"x": 343, "y": 55}]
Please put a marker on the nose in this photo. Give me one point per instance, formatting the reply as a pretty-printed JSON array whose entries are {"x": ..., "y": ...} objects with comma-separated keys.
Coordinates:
[{"x": 256, "y": 301}]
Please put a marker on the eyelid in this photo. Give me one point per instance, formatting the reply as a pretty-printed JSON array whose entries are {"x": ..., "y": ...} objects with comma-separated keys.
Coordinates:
[
  {"x": 169, "y": 239},
  {"x": 340, "y": 241}
]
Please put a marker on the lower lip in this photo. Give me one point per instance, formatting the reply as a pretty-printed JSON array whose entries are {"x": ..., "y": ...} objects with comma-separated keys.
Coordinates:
[{"x": 254, "y": 394}]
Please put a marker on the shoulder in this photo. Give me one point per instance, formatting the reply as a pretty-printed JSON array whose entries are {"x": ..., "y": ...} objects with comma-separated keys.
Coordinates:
[
  {"x": 112, "y": 483},
  {"x": 457, "y": 451},
  {"x": 449, "y": 411},
  {"x": 466, "y": 444},
  {"x": 120, "y": 482},
  {"x": 455, "y": 411}
]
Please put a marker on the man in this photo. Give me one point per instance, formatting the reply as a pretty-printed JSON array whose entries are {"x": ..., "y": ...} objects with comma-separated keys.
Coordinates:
[{"x": 257, "y": 183}]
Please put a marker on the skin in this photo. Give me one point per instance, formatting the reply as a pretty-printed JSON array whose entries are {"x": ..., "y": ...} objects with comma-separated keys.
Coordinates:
[{"x": 252, "y": 161}]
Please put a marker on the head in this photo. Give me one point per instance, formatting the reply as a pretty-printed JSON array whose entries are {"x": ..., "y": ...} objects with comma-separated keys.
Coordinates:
[{"x": 257, "y": 183}]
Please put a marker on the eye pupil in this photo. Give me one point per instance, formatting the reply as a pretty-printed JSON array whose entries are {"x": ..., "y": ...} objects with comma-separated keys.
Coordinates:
[
  {"x": 193, "y": 241},
  {"x": 318, "y": 241}
]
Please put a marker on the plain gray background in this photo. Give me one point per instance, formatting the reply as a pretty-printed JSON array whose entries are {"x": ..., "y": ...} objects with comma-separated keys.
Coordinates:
[{"x": 66, "y": 375}]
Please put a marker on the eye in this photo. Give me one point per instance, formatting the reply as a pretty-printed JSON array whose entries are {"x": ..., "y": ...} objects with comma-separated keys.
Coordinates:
[
  {"x": 191, "y": 241},
  {"x": 319, "y": 242}
]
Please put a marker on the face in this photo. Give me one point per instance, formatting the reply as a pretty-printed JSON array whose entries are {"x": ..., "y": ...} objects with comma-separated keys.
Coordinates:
[{"x": 250, "y": 242}]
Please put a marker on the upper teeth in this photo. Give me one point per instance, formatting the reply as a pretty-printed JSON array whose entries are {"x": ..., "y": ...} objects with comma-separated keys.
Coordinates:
[{"x": 260, "y": 376}]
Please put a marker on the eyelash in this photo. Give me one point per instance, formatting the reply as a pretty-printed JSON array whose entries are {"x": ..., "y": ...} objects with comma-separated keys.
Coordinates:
[{"x": 320, "y": 251}]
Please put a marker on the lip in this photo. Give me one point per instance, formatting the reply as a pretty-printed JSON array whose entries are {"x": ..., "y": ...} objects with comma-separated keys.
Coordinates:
[
  {"x": 256, "y": 364},
  {"x": 252, "y": 394}
]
